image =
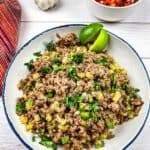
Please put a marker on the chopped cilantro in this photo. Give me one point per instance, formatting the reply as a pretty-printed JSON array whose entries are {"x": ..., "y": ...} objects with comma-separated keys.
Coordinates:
[
  {"x": 110, "y": 124},
  {"x": 45, "y": 70},
  {"x": 72, "y": 73},
  {"x": 64, "y": 140},
  {"x": 20, "y": 106},
  {"x": 97, "y": 85},
  {"x": 73, "y": 100},
  {"x": 57, "y": 68},
  {"x": 56, "y": 61},
  {"x": 50, "y": 46},
  {"x": 45, "y": 141},
  {"x": 29, "y": 64},
  {"x": 33, "y": 138},
  {"x": 113, "y": 81},
  {"x": 130, "y": 90},
  {"x": 78, "y": 58},
  {"x": 94, "y": 107},
  {"x": 50, "y": 94},
  {"x": 100, "y": 144},
  {"x": 37, "y": 54},
  {"x": 103, "y": 61}
]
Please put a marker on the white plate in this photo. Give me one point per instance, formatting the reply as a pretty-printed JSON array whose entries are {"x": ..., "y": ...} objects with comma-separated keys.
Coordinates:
[{"x": 126, "y": 56}]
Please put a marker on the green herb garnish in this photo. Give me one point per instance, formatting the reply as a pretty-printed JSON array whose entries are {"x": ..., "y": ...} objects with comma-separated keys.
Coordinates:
[
  {"x": 56, "y": 61},
  {"x": 45, "y": 141},
  {"x": 64, "y": 140},
  {"x": 50, "y": 94},
  {"x": 97, "y": 85},
  {"x": 37, "y": 54},
  {"x": 130, "y": 90},
  {"x": 73, "y": 100},
  {"x": 45, "y": 70},
  {"x": 94, "y": 107},
  {"x": 50, "y": 46},
  {"x": 90, "y": 98},
  {"x": 103, "y": 61},
  {"x": 58, "y": 68},
  {"x": 100, "y": 144},
  {"x": 20, "y": 107},
  {"x": 78, "y": 58},
  {"x": 33, "y": 138},
  {"x": 110, "y": 124},
  {"x": 94, "y": 116},
  {"x": 113, "y": 81},
  {"x": 72, "y": 73},
  {"x": 29, "y": 64}
]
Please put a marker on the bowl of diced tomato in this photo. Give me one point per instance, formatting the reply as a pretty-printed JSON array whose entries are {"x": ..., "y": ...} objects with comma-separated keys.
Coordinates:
[{"x": 113, "y": 10}]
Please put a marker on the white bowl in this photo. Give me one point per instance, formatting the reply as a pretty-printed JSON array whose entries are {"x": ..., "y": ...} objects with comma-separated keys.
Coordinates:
[
  {"x": 112, "y": 14},
  {"x": 119, "y": 49}
]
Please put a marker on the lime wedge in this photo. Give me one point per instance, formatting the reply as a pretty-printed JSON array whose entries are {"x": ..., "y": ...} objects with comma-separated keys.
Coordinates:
[
  {"x": 101, "y": 41},
  {"x": 90, "y": 32}
]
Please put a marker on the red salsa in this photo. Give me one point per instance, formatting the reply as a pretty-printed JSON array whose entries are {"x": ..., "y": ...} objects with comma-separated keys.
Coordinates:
[{"x": 116, "y": 3}]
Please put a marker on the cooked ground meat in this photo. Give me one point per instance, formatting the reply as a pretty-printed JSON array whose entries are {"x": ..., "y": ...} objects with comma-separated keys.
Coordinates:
[{"x": 75, "y": 97}]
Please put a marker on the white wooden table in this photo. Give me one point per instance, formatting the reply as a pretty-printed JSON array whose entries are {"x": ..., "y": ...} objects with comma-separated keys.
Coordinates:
[{"x": 135, "y": 29}]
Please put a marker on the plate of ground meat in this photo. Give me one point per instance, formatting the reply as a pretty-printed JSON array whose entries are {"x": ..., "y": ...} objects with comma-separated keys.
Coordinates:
[{"x": 60, "y": 95}]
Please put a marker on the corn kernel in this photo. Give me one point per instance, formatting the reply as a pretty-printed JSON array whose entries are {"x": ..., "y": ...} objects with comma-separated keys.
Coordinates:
[
  {"x": 63, "y": 127},
  {"x": 29, "y": 104},
  {"x": 131, "y": 115},
  {"x": 111, "y": 71},
  {"x": 78, "y": 49},
  {"x": 103, "y": 136},
  {"x": 42, "y": 96},
  {"x": 53, "y": 54},
  {"x": 45, "y": 57},
  {"x": 117, "y": 96},
  {"x": 24, "y": 96},
  {"x": 72, "y": 53},
  {"x": 29, "y": 126},
  {"x": 55, "y": 105},
  {"x": 23, "y": 119},
  {"x": 84, "y": 123},
  {"x": 51, "y": 126},
  {"x": 35, "y": 76},
  {"x": 19, "y": 85},
  {"x": 115, "y": 66},
  {"x": 61, "y": 120},
  {"x": 100, "y": 96},
  {"x": 48, "y": 117},
  {"x": 82, "y": 49},
  {"x": 81, "y": 75},
  {"x": 123, "y": 113},
  {"x": 123, "y": 71},
  {"x": 65, "y": 60},
  {"x": 89, "y": 75},
  {"x": 37, "y": 118}
]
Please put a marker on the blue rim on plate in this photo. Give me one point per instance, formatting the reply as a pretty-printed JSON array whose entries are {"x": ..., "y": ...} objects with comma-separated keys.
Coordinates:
[{"x": 68, "y": 25}]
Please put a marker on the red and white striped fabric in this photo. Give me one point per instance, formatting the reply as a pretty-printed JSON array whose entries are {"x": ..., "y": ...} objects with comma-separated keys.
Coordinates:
[{"x": 10, "y": 16}]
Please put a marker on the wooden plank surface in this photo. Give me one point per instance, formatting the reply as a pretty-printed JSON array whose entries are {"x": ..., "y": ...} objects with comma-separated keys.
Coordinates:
[{"x": 75, "y": 11}]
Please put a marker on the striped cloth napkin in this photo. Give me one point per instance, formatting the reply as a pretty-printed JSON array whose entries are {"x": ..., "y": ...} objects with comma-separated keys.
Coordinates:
[{"x": 10, "y": 15}]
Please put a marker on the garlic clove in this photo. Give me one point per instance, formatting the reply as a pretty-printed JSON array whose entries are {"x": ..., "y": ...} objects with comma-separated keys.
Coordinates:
[{"x": 46, "y": 4}]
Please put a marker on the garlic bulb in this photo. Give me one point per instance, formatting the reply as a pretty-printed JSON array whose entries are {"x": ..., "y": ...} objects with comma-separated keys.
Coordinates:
[{"x": 46, "y": 4}]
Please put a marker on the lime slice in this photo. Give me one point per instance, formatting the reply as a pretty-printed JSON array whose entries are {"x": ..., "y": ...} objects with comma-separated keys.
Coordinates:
[
  {"x": 90, "y": 32},
  {"x": 101, "y": 41}
]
